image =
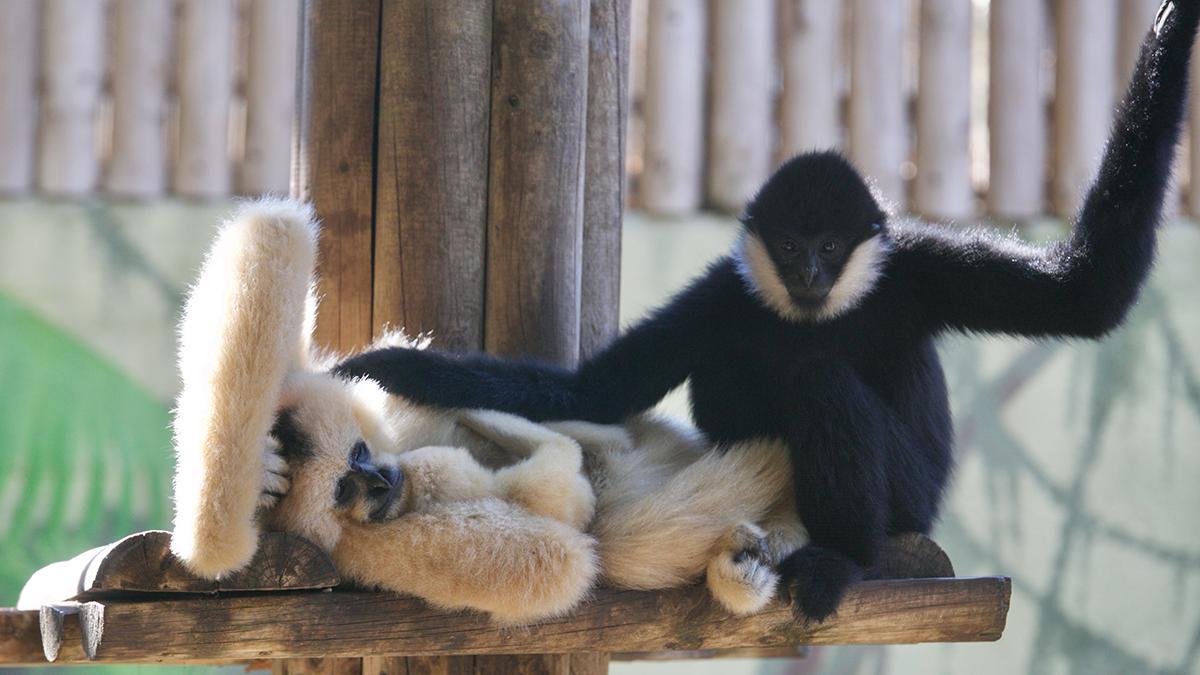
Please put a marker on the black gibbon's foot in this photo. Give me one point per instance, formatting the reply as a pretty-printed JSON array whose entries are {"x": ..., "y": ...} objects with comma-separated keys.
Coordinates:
[{"x": 815, "y": 579}]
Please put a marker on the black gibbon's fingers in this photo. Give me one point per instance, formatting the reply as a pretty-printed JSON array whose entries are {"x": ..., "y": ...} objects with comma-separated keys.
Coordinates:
[{"x": 815, "y": 580}]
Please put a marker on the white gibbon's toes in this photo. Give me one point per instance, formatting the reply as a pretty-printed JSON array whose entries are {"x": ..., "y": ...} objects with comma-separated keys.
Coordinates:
[
  {"x": 275, "y": 480},
  {"x": 740, "y": 577}
]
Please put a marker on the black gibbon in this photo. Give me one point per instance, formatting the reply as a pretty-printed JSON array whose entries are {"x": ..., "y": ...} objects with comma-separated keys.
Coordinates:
[{"x": 819, "y": 328}]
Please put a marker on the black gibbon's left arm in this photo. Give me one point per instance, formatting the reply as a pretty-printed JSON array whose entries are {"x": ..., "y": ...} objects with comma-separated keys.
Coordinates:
[{"x": 1085, "y": 285}]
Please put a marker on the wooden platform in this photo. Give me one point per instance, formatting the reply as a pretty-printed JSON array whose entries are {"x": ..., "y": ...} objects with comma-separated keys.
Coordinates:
[{"x": 131, "y": 602}]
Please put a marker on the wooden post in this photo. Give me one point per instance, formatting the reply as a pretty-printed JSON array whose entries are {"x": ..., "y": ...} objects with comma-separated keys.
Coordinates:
[
  {"x": 72, "y": 70},
  {"x": 141, "y": 59},
  {"x": 810, "y": 45},
  {"x": 18, "y": 93},
  {"x": 443, "y": 145},
  {"x": 205, "y": 91},
  {"x": 270, "y": 95},
  {"x": 942, "y": 189},
  {"x": 673, "y": 170},
  {"x": 1087, "y": 40},
  {"x": 878, "y": 120},
  {"x": 1016, "y": 114},
  {"x": 741, "y": 126}
]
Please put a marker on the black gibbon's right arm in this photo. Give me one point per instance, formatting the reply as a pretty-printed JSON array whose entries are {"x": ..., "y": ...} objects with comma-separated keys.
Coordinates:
[
  {"x": 631, "y": 375},
  {"x": 1084, "y": 286}
]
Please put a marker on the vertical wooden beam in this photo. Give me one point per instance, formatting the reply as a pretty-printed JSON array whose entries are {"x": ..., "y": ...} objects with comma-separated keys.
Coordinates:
[
  {"x": 604, "y": 179},
  {"x": 432, "y": 187},
  {"x": 1083, "y": 105},
  {"x": 810, "y": 44},
  {"x": 18, "y": 93},
  {"x": 205, "y": 91},
  {"x": 1016, "y": 114},
  {"x": 942, "y": 189},
  {"x": 535, "y": 192},
  {"x": 741, "y": 126},
  {"x": 878, "y": 119},
  {"x": 318, "y": 667},
  {"x": 142, "y": 57},
  {"x": 270, "y": 96},
  {"x": 673, "y": 169},
  {"x": 334, "y": 161},
  {"x": 72, "y": 72}
]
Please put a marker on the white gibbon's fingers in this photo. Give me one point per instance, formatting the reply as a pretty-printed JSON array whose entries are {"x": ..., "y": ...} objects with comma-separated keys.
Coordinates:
[
  {"x": 591, "y": 435},
  {"x": 241, "y": 332},
  {"x": 483, "y": 554},
  {"x": 276, "y": 479}
]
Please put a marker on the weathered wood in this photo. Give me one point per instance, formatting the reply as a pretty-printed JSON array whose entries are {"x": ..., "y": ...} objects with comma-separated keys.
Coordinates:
[
  {"x": 432, "y": 190},
  {"x": 202, "y": 166},
  {"x": 72, "y": 73},
  {"x": 673, "y": 166},
  {"x": 1016, "y": 110},
  {"x": 1084, "y": 100},
  {"x": 335, "y": 159},
  {"x": 142, "y": 57},
  {"x": 942, "y": 188},
  {"x": 18, "y": 94},
  {"x": 303, "y": 625},
  {"x": 270, "y": 95},
  {"x": 741, "y": 122},
  {"x": 878, "y": 119},
  {"x": 20, "y": 637},
  {"x": 784, "y": 652},
  {"x": 320, "y": 666},
  {"x": 535, "y": 180},
  {"x": 912, "y": 556},
  {"x": 143, "y": 563},
  {"x": 810, "y": 48},
  {"x": 604, "y": 173}
]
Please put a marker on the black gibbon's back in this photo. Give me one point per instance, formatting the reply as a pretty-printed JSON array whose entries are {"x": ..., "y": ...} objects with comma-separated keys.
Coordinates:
[{"x": 819, "y": 328}]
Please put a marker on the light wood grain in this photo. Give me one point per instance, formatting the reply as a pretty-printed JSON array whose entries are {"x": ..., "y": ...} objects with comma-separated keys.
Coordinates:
[
  {"x": 810, "y": 48},
  {"x": 1016, "y": 109},
  {"x": 942, "y": 189},
  {"x": 72, "y": 73},
  {"x": 18, "y": 93},
  {"x": 878, "y": 111},
  {"x": 271, "y": 55},
  {"x": 141, "y": 64},
  {"x": 202, "y": 166}
]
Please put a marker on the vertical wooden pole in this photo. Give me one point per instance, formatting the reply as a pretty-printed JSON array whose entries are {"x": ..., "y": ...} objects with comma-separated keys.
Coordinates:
[
  {"x": 878, "y": 120},
  {"x": 18, "y": 93},
  {"x": 142, "y": 57},
  {"x": 205, "y": 91},
  {"x": 942, "y": 189},
  {"x": 270, "y": 95},
  {"x": 1083, "y": 105},
  {"x": 673, "y": 170},
  {"x": 1016, "y": 114},
  {"x": 334, "y": 160},
  {"x": 741, "y": 125},
  {"x": 809, "y": 41},
  {"x": 72, "y": 71}
]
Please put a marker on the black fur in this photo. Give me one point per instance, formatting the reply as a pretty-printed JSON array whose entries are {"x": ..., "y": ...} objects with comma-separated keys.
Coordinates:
[{"x": 860, "y": 397}]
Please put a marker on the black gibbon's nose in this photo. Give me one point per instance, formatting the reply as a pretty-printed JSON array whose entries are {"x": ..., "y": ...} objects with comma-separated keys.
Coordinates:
[{"x": 810, "y": 274}]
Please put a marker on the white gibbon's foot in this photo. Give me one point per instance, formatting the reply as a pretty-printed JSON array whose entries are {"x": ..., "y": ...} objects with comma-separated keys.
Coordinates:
[{"x": 740, "y": 576}]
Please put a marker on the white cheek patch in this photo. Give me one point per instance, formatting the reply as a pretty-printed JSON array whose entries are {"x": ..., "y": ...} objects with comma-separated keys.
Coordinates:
[{"x": 858, "y": 278}]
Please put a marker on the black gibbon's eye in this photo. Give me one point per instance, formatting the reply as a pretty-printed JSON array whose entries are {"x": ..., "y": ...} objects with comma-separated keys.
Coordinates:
[
  {"x": 829, "y": 247},
  {"x": 344, "y": 492},
  {"x": 360, "y": 454},
  {"x": 788, "y": 246}
]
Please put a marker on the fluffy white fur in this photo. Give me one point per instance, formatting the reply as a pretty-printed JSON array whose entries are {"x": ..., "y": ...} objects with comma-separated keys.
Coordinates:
[
  {"x": 237, "y": 339},
  {"x": 858, "y": 277}
]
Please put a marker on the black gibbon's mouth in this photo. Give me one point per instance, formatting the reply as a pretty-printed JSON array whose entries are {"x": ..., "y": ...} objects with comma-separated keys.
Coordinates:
[{"x": 809, "y": 296}]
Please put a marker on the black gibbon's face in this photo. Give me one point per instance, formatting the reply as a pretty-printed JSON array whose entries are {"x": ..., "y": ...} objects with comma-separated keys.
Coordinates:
[{"x": 813, "y": 236}]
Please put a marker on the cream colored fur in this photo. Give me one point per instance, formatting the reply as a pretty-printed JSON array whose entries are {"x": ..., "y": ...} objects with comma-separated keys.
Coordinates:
[{"x": 858, "y": 277}]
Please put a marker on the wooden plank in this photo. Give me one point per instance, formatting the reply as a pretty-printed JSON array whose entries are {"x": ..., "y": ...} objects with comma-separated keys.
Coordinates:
[
  {"x": 270, "y": 96},
  {"x": 20, "y": 637},
  {"x": 1084, "y": 100},
  {"x": 535, "y": 181},
  {"x": 142, "y": 58},
  {"x": 143, "y": 563},
  {"x": 1016, "y": 111},
  {"x": 203, "y": 167},
  {"x": 72, "y": 73},
  {"x": 18, "y": 93},
  {"x": 673, "y": 156},
  {"x": 335, "y": 159},
  {"x": 303, "y": 625},
  {"x": 878, "y": 119},
  {"x": 320, "y": 666},
  {"x": 942, "y": 189},
  {"x": 431, "y": 196},
  {"x": 741, "y": 123},
  {"x": 811, "y": 53},
  {"x": 604, "y": 178}
]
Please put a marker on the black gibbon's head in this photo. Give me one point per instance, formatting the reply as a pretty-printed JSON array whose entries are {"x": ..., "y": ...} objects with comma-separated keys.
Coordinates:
[
  {"x": 814, "y": 238},
  {"x": 325, "y": 433}
]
